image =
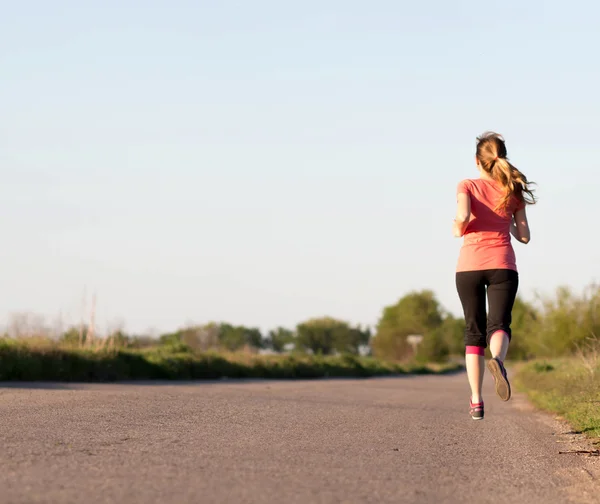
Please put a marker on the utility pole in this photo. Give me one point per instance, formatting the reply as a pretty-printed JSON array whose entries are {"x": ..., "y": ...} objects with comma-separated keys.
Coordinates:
[
  {"x": 92, "y": 326},
  {"x": 83, "y": 309}
]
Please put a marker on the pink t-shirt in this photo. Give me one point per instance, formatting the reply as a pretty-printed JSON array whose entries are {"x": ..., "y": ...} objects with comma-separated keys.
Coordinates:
[{"x": 487, "y": 243}]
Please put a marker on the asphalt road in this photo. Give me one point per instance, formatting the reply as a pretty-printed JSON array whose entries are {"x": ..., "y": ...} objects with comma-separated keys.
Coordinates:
[{"x": 400, "y": 440}]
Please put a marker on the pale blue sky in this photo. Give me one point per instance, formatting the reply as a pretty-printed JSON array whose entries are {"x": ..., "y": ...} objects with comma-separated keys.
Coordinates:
[{"x": 262, "y": 162}]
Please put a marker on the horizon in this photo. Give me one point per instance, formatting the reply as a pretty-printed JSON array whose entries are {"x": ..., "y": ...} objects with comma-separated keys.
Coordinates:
[{"x": 58, "y": 324}]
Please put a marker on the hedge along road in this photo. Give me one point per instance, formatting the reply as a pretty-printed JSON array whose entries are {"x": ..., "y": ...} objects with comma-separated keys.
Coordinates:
[{"x": 384, "y": 440}]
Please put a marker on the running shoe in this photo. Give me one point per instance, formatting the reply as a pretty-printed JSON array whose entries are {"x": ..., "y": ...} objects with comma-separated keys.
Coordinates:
[
  {"x": 499, "y": 373},
  {"x": 476, "y": 410}
]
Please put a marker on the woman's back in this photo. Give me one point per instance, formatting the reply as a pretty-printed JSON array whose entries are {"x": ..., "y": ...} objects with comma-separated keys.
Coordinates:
[{"x": 487, "y": 243}]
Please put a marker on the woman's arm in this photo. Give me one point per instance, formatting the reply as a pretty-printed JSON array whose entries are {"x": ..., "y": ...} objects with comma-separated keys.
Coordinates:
[
  {"x": 519, "y": 227},
  {"x": 463, "y": 214}
]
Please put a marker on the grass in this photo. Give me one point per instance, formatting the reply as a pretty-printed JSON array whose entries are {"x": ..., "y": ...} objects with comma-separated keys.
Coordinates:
[
  {"x": 24, "y": 361},
  {"x": 567, "y": 387}
]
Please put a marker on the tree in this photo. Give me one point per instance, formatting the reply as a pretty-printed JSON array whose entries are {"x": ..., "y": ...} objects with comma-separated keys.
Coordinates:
[
  {"x": 200, "y": 338},
  {"x": 213, "y": 335},
  {"x": 277, "y": 339},
  {"x": 236, "y": 337},
  {"x": 453, "y": 331},
  {"x": 523, "y": 328},
  {"x": 415, "y": 313},
  {"x": 203, "y": 337},
  {"x": 435, "y": 347},
  {"x": 327, "y": 335},
  {"x": 352, "y": 339},
  {"x": 565, "y": 322}
]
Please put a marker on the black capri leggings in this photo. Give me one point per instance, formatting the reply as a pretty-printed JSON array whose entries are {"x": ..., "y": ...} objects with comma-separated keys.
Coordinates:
[{"x": 502, "y": 285}]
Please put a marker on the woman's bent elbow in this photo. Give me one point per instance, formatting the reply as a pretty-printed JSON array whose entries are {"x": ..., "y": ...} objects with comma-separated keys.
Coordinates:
[{"x": 462, "y": 218}]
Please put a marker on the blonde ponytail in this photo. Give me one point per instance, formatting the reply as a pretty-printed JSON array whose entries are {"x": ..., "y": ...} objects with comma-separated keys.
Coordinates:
[{"x": 491, "y": 153}]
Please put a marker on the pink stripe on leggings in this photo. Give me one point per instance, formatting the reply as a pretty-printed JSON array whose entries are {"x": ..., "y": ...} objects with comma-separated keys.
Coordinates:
[{"x": 476, "y": 350}]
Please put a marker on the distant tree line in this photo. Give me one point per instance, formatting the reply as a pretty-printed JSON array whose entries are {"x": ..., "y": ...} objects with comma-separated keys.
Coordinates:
[
  {"x": 320, "y": 336},
  {"x": 415, "y": 313},
  {"x": 553, "y": 326}
]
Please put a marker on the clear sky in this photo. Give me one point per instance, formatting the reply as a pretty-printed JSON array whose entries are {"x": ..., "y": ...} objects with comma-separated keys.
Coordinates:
[{"x": 262, "y": 162}]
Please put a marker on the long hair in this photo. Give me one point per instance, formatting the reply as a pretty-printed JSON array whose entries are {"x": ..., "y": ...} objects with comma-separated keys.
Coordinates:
[{"x": 491, "y": 154}]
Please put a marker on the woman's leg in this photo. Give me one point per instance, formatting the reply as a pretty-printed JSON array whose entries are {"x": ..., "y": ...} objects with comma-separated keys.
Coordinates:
[
  {"x": 475, "y": 369},
  {"x": 471, "y": 291},
  {"x": 502, "y": 292},
  {"x": 499, "y": 342}
]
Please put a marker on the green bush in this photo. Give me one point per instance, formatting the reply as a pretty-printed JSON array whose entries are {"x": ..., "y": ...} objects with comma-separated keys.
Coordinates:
[
  {"x": 557, "y": 326},
  {"x": 53, "y": 362}
]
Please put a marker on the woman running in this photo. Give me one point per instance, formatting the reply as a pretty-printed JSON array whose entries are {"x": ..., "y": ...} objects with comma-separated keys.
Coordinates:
[{"x": 489, "y": 209}]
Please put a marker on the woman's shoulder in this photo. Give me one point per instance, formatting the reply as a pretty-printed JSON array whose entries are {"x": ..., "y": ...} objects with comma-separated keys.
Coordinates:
[
  {"x": 481, "y": 184},
  {"x": 465, "y": 185}
]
